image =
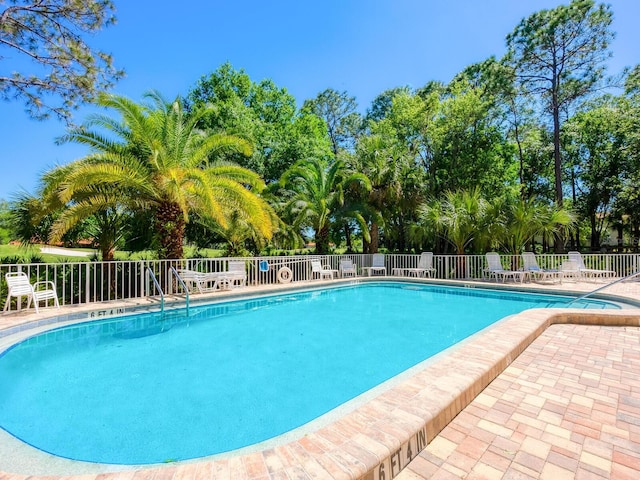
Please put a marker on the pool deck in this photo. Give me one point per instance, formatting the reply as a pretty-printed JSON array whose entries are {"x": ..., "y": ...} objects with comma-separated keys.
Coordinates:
[{"x": 543, "y": 394}]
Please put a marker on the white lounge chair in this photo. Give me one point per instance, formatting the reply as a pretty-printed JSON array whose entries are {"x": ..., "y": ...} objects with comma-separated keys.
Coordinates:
[
  {"x": 377, "y": 265},
  {"x": 424, "y": 268},
  {"x": 237, "y": 273},
  {"x": 589, "y": 272},
  {"x": 235, "y": 276},
  {"x": 533, "y": 269},
  {"x": 204, "y": 282},
  {"x": 19, "y": 286},
  {"x": 347, "y": 268},
  {"x": 495, "y": 269},
  {"x": 569, "y": 269},
  {"x": 321, "y": 270}
]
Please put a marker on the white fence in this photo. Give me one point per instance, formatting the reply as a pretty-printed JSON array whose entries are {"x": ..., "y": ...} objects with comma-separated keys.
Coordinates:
[{"x": 89, "y": 282}]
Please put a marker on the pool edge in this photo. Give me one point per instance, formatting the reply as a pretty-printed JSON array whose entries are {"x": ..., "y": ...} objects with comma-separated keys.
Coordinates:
[{"x": 383, "y": 435}]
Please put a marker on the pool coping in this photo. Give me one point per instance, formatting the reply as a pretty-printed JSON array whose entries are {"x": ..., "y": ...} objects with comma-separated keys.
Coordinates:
[{"x": 379, "y": 438}]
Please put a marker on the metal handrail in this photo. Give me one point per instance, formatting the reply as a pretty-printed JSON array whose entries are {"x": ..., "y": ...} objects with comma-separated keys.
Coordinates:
[
  {"x": 184, "y": 286},
  {"x": 157, "y": 284},
  {"x": 619, "y": 280}
]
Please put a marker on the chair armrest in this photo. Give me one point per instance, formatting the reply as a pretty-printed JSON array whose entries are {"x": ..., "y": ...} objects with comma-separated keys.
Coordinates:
[{"x": 52, "y": 286}]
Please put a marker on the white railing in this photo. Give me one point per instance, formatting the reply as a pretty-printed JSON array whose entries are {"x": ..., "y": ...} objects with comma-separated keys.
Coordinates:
[{"x": 91, "y": 282}]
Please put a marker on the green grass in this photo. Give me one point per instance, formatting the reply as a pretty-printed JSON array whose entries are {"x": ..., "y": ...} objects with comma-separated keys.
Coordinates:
[{"x": 25, "y": 254}]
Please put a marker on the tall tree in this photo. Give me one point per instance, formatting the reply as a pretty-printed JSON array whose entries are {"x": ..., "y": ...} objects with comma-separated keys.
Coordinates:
[
  {"x": 394, "y": 152},
  {"x": 559, "y": 56},
  {"x": 338, "y": 110},
  {"x": 381, "y": 105},
  {"x": 627, "y": 206},
  {"x": 383, "y": 160},
  {"x": 65, "y": 69},
  {"x": 596, "y": 150},
  {"x": 263, "y": 114},
  {"x": 470, "y": 149},
  {"x": 155, "y": 158}
]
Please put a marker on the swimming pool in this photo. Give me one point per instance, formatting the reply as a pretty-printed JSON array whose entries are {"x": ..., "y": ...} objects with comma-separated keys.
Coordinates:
[{"x": 143, "y": 390}]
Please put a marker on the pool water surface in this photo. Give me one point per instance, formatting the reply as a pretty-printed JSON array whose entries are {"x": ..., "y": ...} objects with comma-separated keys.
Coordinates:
[{"x": 148, "y": 389}]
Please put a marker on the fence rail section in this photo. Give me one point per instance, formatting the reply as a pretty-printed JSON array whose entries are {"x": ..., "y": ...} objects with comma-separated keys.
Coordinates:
[{"x": 92, "y": 282}]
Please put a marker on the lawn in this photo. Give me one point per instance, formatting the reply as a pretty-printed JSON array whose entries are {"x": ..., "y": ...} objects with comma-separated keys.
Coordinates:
[{"x": 22, "y": 254}]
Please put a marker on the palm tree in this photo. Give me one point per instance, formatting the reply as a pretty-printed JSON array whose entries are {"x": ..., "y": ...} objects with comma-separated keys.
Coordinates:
[
  {"x": 459, "y": 217},
  {"x": 239, "y": 233},
  {"x": 155, "y": 158},
  {"x": 523, "y": 220},
  {"x": 315, "y": 194},
  {"x": 28, "y": 219},
  {"x": 381, "y": 160},
  {"x": 106, "y": 225}
]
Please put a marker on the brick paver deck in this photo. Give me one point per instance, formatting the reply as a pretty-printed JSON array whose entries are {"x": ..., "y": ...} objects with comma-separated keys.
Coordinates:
[{"x": 568, "y": 407}]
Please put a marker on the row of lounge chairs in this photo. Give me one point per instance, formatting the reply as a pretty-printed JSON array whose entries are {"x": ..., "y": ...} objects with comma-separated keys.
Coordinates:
[
  {"x": 573, "y": 267},
  {"x": 347, "y": 268}
]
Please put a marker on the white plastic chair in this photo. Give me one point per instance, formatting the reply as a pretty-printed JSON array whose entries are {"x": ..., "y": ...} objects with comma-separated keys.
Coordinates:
[
  {"x": 589, "y": 272},
  {"x": 204, "y": 282},
  {"x": 533, "y": 269},
  {"x": 569, "y": 269},
  {"x": 19, "y": 286},
  {"x": 322, "y": 271},
  {"x": 377, "y": 264},
  {"x": 237, "y": 273},
  {"x": 495, "y": 268},
  {"x": 424, "y": 268},
  {"x": 347, "y": 268}
]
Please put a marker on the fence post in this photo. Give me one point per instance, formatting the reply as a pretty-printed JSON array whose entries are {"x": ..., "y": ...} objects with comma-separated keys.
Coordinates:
[
  {"x": 143, "y": 279},
  {"x": 87, "y": 283}
]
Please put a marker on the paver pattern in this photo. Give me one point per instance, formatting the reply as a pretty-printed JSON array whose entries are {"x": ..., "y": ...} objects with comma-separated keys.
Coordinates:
[{"x": 567, "y": 407}]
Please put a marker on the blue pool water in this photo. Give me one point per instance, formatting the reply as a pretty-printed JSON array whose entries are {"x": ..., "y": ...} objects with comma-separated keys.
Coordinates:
[{"x": 141, "y": 389}]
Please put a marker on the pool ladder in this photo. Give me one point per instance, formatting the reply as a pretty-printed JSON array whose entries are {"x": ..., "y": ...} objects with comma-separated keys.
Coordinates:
[
  {"x": 159, "y": 288},
  {"x": 184, "y": 287}
]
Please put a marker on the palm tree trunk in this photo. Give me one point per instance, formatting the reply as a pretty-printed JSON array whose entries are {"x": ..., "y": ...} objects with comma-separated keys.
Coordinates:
[
  {"x": 365, "y": 245},
  {"x": 170, "y": 226},
  {"x": 557, "y": 161},
  {"x": 375, "y": 238},
  {"x": 402, "y": 235},
  {"x": 347, "y": 234},
  {"x": 322, "y": 240},
  {"x": 107, "y": 252}
]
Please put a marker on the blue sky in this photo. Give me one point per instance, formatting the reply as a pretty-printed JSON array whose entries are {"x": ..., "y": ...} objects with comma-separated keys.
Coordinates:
[{"x": 361, "y": 46}]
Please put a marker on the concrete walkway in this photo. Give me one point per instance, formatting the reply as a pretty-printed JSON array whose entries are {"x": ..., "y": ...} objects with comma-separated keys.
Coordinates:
[{"x": 68, "y": 252}]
